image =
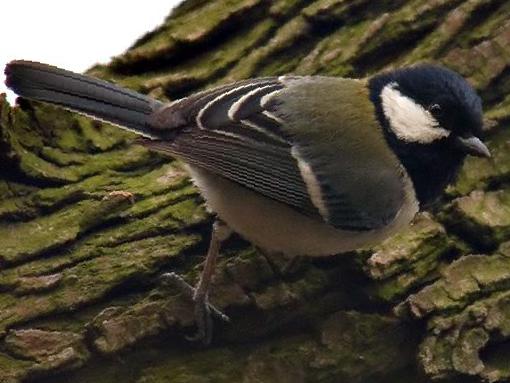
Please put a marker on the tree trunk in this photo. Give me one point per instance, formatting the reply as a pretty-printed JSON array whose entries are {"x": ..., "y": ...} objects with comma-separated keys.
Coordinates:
[{"x": 79, "y": 264}]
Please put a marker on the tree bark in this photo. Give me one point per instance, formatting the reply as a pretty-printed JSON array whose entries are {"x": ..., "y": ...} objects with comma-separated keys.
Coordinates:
[{"x": 79, "y": 264}]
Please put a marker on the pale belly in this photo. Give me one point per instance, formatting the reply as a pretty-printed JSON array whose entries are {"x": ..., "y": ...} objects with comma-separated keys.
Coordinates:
[{"x": 277, "y": 228}]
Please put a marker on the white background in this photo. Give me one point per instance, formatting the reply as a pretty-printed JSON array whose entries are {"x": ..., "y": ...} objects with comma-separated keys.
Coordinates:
[{"x": 74, "y": 34}]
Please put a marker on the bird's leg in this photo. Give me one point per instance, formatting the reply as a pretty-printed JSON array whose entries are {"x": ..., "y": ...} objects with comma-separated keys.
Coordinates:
[
  {"x": 220, "y": 233},
  {"x": 200, "y": 293}
]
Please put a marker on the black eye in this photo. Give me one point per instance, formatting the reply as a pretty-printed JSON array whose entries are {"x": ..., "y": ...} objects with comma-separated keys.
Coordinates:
[{"x": 435, "y": 109}]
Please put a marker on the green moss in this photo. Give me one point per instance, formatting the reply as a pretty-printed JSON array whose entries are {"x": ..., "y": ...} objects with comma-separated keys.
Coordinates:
[
  {"x": 61, "y": 158},
  {"x": 481, "y": 64},
  {"x": 67, "y": 224},
  {"x": 397, "y": 287},
  {"x": 158, "y": 202},
  {"x": 16, "y": 208},
  {"x": 202, "y": 68},
  {"x": 63, "y": 162},
  {"x": 213, "y": 15},
  {"x": 63, "y": 227},
  {"x": 156, "y": 224},
  {"x": 72, "y": 132},
  {"x": 185, "y": 7},
  {"x": 462, "y": 283},
  {"x": 90, "y": 280},
  {"x": 282, "y": 43},
  {"x": 12, "y": 369},
  {"x": 432, "y": 298},
  {"x": 435, "y": 356},
  {"x": 167, "y": 219},
  {"x": 35, "y": 167},
  {"x": 406, "y": 259},
  {"x": 51, "y": 198},
  {"x": 486, "y": 28},
  {"x": 456, "y": 343},
  {"x": 414, "y": 18},
  {"x": 162, "y": 179},
  {"x": 330, "y": 10},
  {"x": 14, "y": 189},
  {"x": 484, "y": 218},
  {"x": 398, "y": 253},
  {"x": 282, "y": 8},
  {"x": 189, "y": 28},
  {"x": 70, "y": 140},
  {"x": 108, "y": 208},
  {"x": 97, "y": 137},
  {"x": 451, "y": 26},
  {"x": 332, "y": 55},
  {"x": 21, "y": 130},
  {"x": 189, "y": 211}
]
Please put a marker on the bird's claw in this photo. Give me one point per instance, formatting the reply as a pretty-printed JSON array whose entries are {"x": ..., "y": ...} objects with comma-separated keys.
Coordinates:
[{"x": 203, "y": 310}]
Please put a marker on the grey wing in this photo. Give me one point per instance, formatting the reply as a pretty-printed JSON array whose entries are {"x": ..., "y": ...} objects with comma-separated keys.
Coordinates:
[
  {"x": 268, "y": 170},
  {"x": 236, "y": 132},
  {"x": 226, "y": 131}
]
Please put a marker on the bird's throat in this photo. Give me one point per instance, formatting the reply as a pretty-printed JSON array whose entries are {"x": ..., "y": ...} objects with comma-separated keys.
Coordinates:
[{"x": 431, "y": 168}]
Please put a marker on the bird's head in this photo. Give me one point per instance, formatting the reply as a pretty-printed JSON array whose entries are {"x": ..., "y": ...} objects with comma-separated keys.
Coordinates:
[
  {"x": 432, "y": 119},
  {"x": 429, "y": 104}
]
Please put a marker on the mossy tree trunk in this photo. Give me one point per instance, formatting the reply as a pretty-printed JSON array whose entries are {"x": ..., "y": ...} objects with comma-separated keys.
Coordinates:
[{"x": 79, "y": 265}]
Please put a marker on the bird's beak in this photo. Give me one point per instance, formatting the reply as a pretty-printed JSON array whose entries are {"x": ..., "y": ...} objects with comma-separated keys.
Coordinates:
[{"x": 473, "y": 146}]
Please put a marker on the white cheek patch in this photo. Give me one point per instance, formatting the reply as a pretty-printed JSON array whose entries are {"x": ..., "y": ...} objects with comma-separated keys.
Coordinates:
[{"x": 408, "y": 120}]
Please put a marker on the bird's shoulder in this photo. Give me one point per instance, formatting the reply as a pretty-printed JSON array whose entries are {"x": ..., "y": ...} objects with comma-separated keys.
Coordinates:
[{"x": 337, "y": 136}]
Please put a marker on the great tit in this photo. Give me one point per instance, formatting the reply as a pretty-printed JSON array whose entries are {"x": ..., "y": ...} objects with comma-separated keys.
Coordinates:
[{"x": 301, "y": 165}]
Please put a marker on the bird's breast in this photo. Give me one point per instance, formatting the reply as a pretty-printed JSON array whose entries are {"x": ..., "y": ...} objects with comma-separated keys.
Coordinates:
[{"x": 276, "y": 227}]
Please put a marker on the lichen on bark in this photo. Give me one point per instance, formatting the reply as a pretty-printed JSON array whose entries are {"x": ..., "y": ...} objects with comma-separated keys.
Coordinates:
[{"x": 79, "y": 265}]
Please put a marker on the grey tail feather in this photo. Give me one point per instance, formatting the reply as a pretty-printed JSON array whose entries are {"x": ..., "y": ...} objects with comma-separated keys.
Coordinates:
[{"x": 96, "y": 98}]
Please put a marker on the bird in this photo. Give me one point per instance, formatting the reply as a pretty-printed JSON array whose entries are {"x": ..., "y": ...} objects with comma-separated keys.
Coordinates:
[{"x": 298, "y": 165}]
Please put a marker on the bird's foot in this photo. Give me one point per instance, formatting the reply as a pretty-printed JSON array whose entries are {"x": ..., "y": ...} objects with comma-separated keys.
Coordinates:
[{"x": 203, "y": 310}]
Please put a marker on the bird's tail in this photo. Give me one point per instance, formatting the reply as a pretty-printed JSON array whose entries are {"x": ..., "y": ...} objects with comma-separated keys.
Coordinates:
[{"x": 87, "y": 95}]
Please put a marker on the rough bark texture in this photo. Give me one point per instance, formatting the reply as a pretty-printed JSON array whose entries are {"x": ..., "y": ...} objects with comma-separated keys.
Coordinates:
[{"x": 79, "y": 293}]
